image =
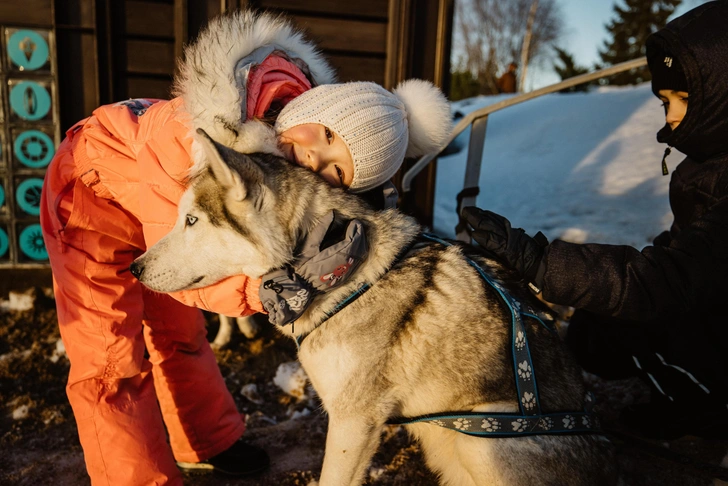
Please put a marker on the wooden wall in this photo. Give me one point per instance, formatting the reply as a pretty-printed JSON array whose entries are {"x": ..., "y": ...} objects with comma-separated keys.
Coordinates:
[
  {"x": 110, "y": 50},
  {"x": 352, "y": 34}
]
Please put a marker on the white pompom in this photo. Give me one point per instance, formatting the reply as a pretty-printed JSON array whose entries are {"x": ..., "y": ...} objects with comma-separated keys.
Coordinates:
[{"x": 428, "y": 116}]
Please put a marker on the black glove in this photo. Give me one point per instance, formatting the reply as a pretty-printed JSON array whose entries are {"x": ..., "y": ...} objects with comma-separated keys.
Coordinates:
[{"x": 511, "y": 246}]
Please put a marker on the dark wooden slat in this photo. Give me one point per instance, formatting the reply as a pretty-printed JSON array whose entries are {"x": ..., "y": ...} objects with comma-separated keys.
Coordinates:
[
  {"x": 150, "y": 57},
  {"x": 77, "y": 82},
  {"x": 26, "y": 12},
  {"x": 75, "y": 13},
  {"x": 149, "y": 18},
  {"x": 138, "y": 87},
  {"x": 368, "y": 8},
  {"x": 351, "y": 68},
  {"x": 345, "y": 35}
]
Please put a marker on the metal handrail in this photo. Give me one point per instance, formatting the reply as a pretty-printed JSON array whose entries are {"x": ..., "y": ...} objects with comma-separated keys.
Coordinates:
[{"x": 472, "y": 117}]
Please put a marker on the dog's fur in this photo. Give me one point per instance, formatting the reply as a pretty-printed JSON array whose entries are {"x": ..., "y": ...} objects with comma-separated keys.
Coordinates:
[{"x": 428, "y": 336}]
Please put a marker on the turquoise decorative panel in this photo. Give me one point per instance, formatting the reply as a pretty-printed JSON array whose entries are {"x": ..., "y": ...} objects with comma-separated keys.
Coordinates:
[
  {"x": 4, "y": 243},
  {"x": 30, "y": 243},
  {"x": 30, "y": 100},
  {"x": 33, "y": 148},
  {"x": 28, "y": 50},
  {"x": 29, "y": 134},
  {"x": 27, "y": 196}
]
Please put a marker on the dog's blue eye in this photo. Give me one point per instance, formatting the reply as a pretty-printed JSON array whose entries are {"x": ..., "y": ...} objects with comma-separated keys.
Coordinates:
[{"x": 191, "y": 220}]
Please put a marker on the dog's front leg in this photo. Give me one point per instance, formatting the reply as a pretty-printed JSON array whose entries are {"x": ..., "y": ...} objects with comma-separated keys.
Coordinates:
[{"x": 350, "y": 444}]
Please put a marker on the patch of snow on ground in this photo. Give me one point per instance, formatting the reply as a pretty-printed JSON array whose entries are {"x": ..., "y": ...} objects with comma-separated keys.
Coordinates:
[
  {"x": 21, "y": 412},
  {"x": 291, "y": 378},
  {"x": 18, "y": 301}
]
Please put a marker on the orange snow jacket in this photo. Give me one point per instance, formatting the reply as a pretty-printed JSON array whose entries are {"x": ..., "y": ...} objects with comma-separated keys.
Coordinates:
[
  {"x": 117, "y": 151},
  {"x": 139, "y": 153}
]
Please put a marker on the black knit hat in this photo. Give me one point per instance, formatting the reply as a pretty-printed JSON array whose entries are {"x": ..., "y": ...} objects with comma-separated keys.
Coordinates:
[{"x": 667, "y": 73}]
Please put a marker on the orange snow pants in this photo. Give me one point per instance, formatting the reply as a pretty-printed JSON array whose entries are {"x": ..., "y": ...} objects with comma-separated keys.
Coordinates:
[{"x": 107, "y": 319}]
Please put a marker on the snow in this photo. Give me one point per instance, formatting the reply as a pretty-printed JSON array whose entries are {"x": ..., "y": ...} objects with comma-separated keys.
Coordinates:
[
  {"x": 21, "y": 412},
  {"x": 18, "y": 301},
  {"x": 291, "y": 378},
  {"x": 250, "y": 391},
  {"x": 59, "y": 351},
  {"x": 584, "y": 167}
]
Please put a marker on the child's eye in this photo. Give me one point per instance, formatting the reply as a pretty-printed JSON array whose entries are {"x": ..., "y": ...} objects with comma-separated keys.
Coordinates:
[
  {"x": 191, "y": 220},
  {"x": 340, "y": 173},
  {"x": 329, "y": 134}
]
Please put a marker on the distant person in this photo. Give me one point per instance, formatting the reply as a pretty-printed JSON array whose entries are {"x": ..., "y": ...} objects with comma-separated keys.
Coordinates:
[
  {"x": 658, "y": 313},
  {"x": 507, "y": 82}
]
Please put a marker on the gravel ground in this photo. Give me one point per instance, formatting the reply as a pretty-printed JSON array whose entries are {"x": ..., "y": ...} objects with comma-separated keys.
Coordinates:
[{"x": 39, "y": 443}]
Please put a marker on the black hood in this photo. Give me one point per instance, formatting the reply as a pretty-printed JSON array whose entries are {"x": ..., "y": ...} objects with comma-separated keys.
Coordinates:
[{"x": 699, "y": 40}]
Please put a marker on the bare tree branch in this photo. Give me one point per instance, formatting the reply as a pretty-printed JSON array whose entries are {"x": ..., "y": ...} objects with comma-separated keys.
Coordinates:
[{"x": 492, "y": 35}]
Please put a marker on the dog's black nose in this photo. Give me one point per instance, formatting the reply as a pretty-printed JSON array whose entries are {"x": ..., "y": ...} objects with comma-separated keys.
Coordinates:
[{"x": 136, "y": 269}]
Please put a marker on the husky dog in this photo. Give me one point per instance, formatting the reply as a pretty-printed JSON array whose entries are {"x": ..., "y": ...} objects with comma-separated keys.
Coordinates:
[{"x": 427, "y": 337}]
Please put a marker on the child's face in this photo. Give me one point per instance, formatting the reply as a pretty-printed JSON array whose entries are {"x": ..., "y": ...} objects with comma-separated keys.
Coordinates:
[
  {"x": 319, "y": 149},
  {"x": 676, "y": 105}
]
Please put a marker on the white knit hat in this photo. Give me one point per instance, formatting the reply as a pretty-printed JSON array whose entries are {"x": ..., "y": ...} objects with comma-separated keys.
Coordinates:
[{"x": 379, "y": 128}]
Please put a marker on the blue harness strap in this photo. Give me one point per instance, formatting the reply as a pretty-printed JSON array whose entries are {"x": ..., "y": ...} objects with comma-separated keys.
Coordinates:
[{"x": 531, "y": 420}]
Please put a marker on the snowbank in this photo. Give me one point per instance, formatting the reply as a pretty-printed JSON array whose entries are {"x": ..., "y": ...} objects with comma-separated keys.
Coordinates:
[{"x": 582, "y": 166}]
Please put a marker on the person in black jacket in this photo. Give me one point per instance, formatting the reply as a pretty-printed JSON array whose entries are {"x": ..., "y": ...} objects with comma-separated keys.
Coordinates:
[{"x": 657, "y": 313}]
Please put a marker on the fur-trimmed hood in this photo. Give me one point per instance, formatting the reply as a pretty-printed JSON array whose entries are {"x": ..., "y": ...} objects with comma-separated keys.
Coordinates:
[{"x": 207, "y": 81}]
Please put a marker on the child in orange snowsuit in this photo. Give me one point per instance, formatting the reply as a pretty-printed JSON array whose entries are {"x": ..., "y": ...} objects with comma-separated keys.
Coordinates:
[
  {"x": 112, "y": 191},
  {"x": 109, "y": 193}
]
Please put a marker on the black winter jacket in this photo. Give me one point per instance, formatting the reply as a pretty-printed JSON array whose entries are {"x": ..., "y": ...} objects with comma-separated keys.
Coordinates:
[{"x": 685, "y": 273}]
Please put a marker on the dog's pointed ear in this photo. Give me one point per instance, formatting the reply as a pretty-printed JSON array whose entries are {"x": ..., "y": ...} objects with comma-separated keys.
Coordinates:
[{"x": 226, "y": 176}]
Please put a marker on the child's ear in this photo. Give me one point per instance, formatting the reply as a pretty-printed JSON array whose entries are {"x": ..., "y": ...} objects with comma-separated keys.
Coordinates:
[{"x": 225, "y": 175}]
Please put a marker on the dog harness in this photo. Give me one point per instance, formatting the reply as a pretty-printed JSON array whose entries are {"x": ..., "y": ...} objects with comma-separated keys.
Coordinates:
[{"x": 531, "y": 420}]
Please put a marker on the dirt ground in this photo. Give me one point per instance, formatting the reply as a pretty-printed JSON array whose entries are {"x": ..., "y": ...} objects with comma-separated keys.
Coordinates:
[{"x": 39, "y": 444}]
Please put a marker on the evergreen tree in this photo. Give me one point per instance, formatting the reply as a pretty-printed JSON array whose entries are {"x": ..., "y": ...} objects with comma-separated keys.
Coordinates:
[
  {"x": 634, "y": 22},
  {"x": 569, "y": 69},
  {"x": 463, "y": 85}
]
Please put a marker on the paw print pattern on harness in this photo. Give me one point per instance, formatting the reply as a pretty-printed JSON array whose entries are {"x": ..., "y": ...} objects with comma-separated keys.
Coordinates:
[
  {"x": 524, "y": 370},
  {"x": 462, "y": 424},
  {"x": 528, "y": 400},
  {"x": 519, "y": 425},
  {"x": 568, "y": 422},
  {"x": 490, "y": 425},
  {"x": 520, "y": 340},
  {"x": 546, "y": 423}
]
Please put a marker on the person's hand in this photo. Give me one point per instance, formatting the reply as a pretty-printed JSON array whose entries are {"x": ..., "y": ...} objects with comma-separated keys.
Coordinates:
[
  {"x": 284, "y": 295},
  {"x": 331, "y": 252},
  {"x": 511, "y": 246}
]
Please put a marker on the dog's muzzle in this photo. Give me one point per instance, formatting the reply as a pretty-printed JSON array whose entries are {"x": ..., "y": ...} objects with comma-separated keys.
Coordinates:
[{"x": 136, "y": 269}]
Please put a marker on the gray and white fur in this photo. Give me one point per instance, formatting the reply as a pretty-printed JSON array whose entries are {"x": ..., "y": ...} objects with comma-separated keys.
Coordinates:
[{"x": 428, "y": 336}]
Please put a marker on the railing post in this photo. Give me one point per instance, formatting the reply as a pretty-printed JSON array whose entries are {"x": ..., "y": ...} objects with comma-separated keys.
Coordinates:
[{"x": 472, "y": 169}]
